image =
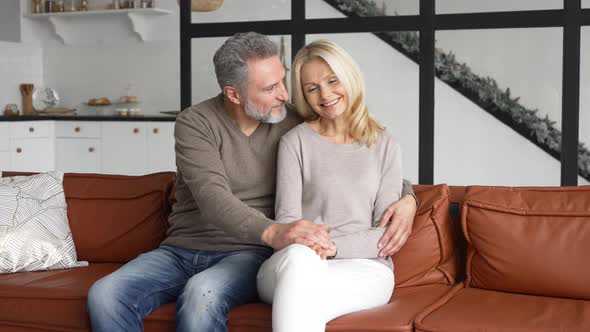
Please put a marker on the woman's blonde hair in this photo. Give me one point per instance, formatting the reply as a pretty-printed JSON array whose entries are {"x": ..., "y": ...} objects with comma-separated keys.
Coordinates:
[{"x": 361, "y": 124}]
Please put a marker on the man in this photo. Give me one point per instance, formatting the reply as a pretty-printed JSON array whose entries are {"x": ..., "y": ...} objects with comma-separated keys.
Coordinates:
[{"x": 221, "y": 227}]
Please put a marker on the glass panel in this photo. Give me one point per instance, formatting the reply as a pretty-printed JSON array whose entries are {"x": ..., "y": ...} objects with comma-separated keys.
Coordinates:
[
  {"x": 498, "y": 107},
  {"x": 241, "y": 11},
  {"x": 391, "y": 79},
  {"x": 584, "y": 133},
  {"x": 204, "y": 83},
  {"x": 482, "y": 6},
  {"x": 343, "y": 8}
]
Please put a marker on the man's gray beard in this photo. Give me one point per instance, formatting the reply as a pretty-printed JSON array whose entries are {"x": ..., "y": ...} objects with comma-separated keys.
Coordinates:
[{"x": 266, "y": 117}]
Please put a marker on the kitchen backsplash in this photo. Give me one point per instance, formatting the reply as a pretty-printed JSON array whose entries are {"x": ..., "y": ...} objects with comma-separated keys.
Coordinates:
[{"x": 19, "y": 63}]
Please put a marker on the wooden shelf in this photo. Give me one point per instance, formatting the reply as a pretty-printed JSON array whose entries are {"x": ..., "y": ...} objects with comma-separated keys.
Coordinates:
[{"x": 139, "y": 19}]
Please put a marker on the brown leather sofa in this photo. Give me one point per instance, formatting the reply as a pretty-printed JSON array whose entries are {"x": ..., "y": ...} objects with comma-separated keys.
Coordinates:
[{"x": 524, "y": 269}]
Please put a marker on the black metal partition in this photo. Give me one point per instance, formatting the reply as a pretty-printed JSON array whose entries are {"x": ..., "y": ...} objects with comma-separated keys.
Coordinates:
[{"x": 571, "y": 18}]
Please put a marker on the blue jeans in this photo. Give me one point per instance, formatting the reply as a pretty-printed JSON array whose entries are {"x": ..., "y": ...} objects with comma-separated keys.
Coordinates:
[{"x": 205, "y": 284}]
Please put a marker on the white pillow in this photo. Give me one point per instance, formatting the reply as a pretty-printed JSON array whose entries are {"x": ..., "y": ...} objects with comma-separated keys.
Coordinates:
[{"x": 34, "y": 230}]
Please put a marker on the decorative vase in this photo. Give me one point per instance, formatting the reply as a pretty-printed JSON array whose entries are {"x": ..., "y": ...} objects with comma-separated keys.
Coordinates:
[{"x": 204, "y": 5}]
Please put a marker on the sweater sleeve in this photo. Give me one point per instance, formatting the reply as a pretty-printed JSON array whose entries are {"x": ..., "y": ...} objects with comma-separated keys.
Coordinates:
[
  {"x": 408, "y": 190},
  {"x": 199, "y": 161},
  {"x": 363, "y": 244},
  {"x": 289, "y": 184}
]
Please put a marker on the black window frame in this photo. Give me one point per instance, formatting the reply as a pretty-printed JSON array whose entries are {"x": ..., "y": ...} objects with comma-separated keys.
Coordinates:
[{"x": 571, "y": 18}]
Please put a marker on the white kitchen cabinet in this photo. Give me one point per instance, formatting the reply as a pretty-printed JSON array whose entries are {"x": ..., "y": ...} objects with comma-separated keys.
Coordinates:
[
  {"x": 124, "y": 148},
  {"x": 77, "y": 129},
  {"x": 31, "y": 146},
  {"x": 31, "y": 129},
  {"x": 160, "y": 147},
  {"x": 4, "y": 135},
  {"x": 4, "y": 146},
  {"x": 4, "y": 161},
  {"x": 110, "y": 147},
  {"x": 32, "y": 154},
  {"x": 78, "y": 155}
]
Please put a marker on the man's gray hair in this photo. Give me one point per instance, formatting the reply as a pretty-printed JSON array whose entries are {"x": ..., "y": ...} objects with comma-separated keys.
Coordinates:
[{"x": 231, "y": 59}]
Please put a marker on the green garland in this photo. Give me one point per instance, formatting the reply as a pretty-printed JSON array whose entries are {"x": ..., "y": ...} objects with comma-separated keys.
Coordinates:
[{"x": 483, "y": 91}]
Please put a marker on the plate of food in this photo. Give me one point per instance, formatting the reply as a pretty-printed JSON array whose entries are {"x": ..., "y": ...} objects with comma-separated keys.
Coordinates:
[{"x": 102, "y": 101}]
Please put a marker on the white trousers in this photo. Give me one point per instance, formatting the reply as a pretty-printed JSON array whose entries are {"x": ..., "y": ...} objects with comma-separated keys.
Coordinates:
[{"x": 306, "y": 292}]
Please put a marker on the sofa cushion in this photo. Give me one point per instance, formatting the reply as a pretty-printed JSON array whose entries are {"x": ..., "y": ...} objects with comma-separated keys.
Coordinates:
[
  {"x": 472, "y": 309},
  {"x": 115, "y": 218},
  {"x": 398, "y": 315},
  {"x": 34, "y": 230},
  {"x": 528, "y": 240},
  {"x": 52, "y": 299},
  {"x": 162, "y": 319},
  {"x": 428, "y": 256}
]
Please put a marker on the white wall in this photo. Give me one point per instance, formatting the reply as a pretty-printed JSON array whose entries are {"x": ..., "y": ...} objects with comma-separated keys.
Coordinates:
[
  {"x": 585, "y": 88},
  {"x": 392, "y": 7},
  {"x": 246, "y": 10},
  {"x": 19, "y": 63},
  {"x": 529, "y": 62},
  {"x": 472, "y": 147},
  {"x": 10, "y": 21},
  {"x": 471, "y": 6}
]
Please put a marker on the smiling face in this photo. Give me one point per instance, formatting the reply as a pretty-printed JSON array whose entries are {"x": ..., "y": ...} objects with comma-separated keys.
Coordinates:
[
  {"x": 322, "y": 89},
  {"x": 266, "y": 94}
]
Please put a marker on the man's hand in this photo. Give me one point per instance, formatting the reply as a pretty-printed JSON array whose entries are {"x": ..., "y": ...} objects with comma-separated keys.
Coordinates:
[
  {"x": 305, "y": 232},
  {"x": 398, "y": 218}
]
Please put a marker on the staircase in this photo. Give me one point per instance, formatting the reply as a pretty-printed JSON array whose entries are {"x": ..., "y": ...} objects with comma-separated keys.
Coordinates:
[{"x": 482, "y": 91}]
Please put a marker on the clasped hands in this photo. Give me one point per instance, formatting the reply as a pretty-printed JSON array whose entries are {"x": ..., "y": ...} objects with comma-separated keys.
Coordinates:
[{"x": 398, "y": 219}]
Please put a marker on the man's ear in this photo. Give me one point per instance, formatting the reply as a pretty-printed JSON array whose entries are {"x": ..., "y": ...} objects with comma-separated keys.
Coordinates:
[{"x": 232, "y": 94}]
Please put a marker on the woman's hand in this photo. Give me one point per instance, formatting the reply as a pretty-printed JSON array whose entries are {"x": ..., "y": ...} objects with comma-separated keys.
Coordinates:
[{"x": 398, "y": 218}]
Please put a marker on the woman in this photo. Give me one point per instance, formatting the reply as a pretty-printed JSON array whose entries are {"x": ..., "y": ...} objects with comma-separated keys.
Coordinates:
[{"x": 340, "y": 168}]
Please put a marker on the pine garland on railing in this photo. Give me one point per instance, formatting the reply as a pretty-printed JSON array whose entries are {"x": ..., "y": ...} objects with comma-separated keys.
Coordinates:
[{"x": 483, "y": 91}]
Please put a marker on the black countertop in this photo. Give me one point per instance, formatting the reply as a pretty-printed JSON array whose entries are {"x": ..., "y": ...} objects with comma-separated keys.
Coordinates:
[{"x": 92, "y": 116}]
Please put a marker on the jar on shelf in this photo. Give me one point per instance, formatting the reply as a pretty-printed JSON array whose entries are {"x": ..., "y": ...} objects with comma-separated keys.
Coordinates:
[
  {"x": 84, "y": 5},
  {"x": 36, "y": 7},
  {"x": 70, "y": 6},
  {"x": 50, "y": 6}
]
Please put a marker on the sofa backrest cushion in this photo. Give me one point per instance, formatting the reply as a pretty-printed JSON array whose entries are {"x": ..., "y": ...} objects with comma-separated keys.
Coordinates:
[
  {"x": 114, "y": 218},
  {"x": 428, "y": 257},
  {"x": 528, "y": 240}
]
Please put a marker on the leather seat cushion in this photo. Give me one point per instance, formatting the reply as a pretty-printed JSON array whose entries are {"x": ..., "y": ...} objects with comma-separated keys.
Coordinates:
[
  {"x": 472, "y": 309},
  {"x": 398, "y": 315}
]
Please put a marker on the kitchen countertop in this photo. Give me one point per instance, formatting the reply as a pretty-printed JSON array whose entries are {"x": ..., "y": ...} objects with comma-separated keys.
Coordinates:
[{"x": 91, "y": 116}]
